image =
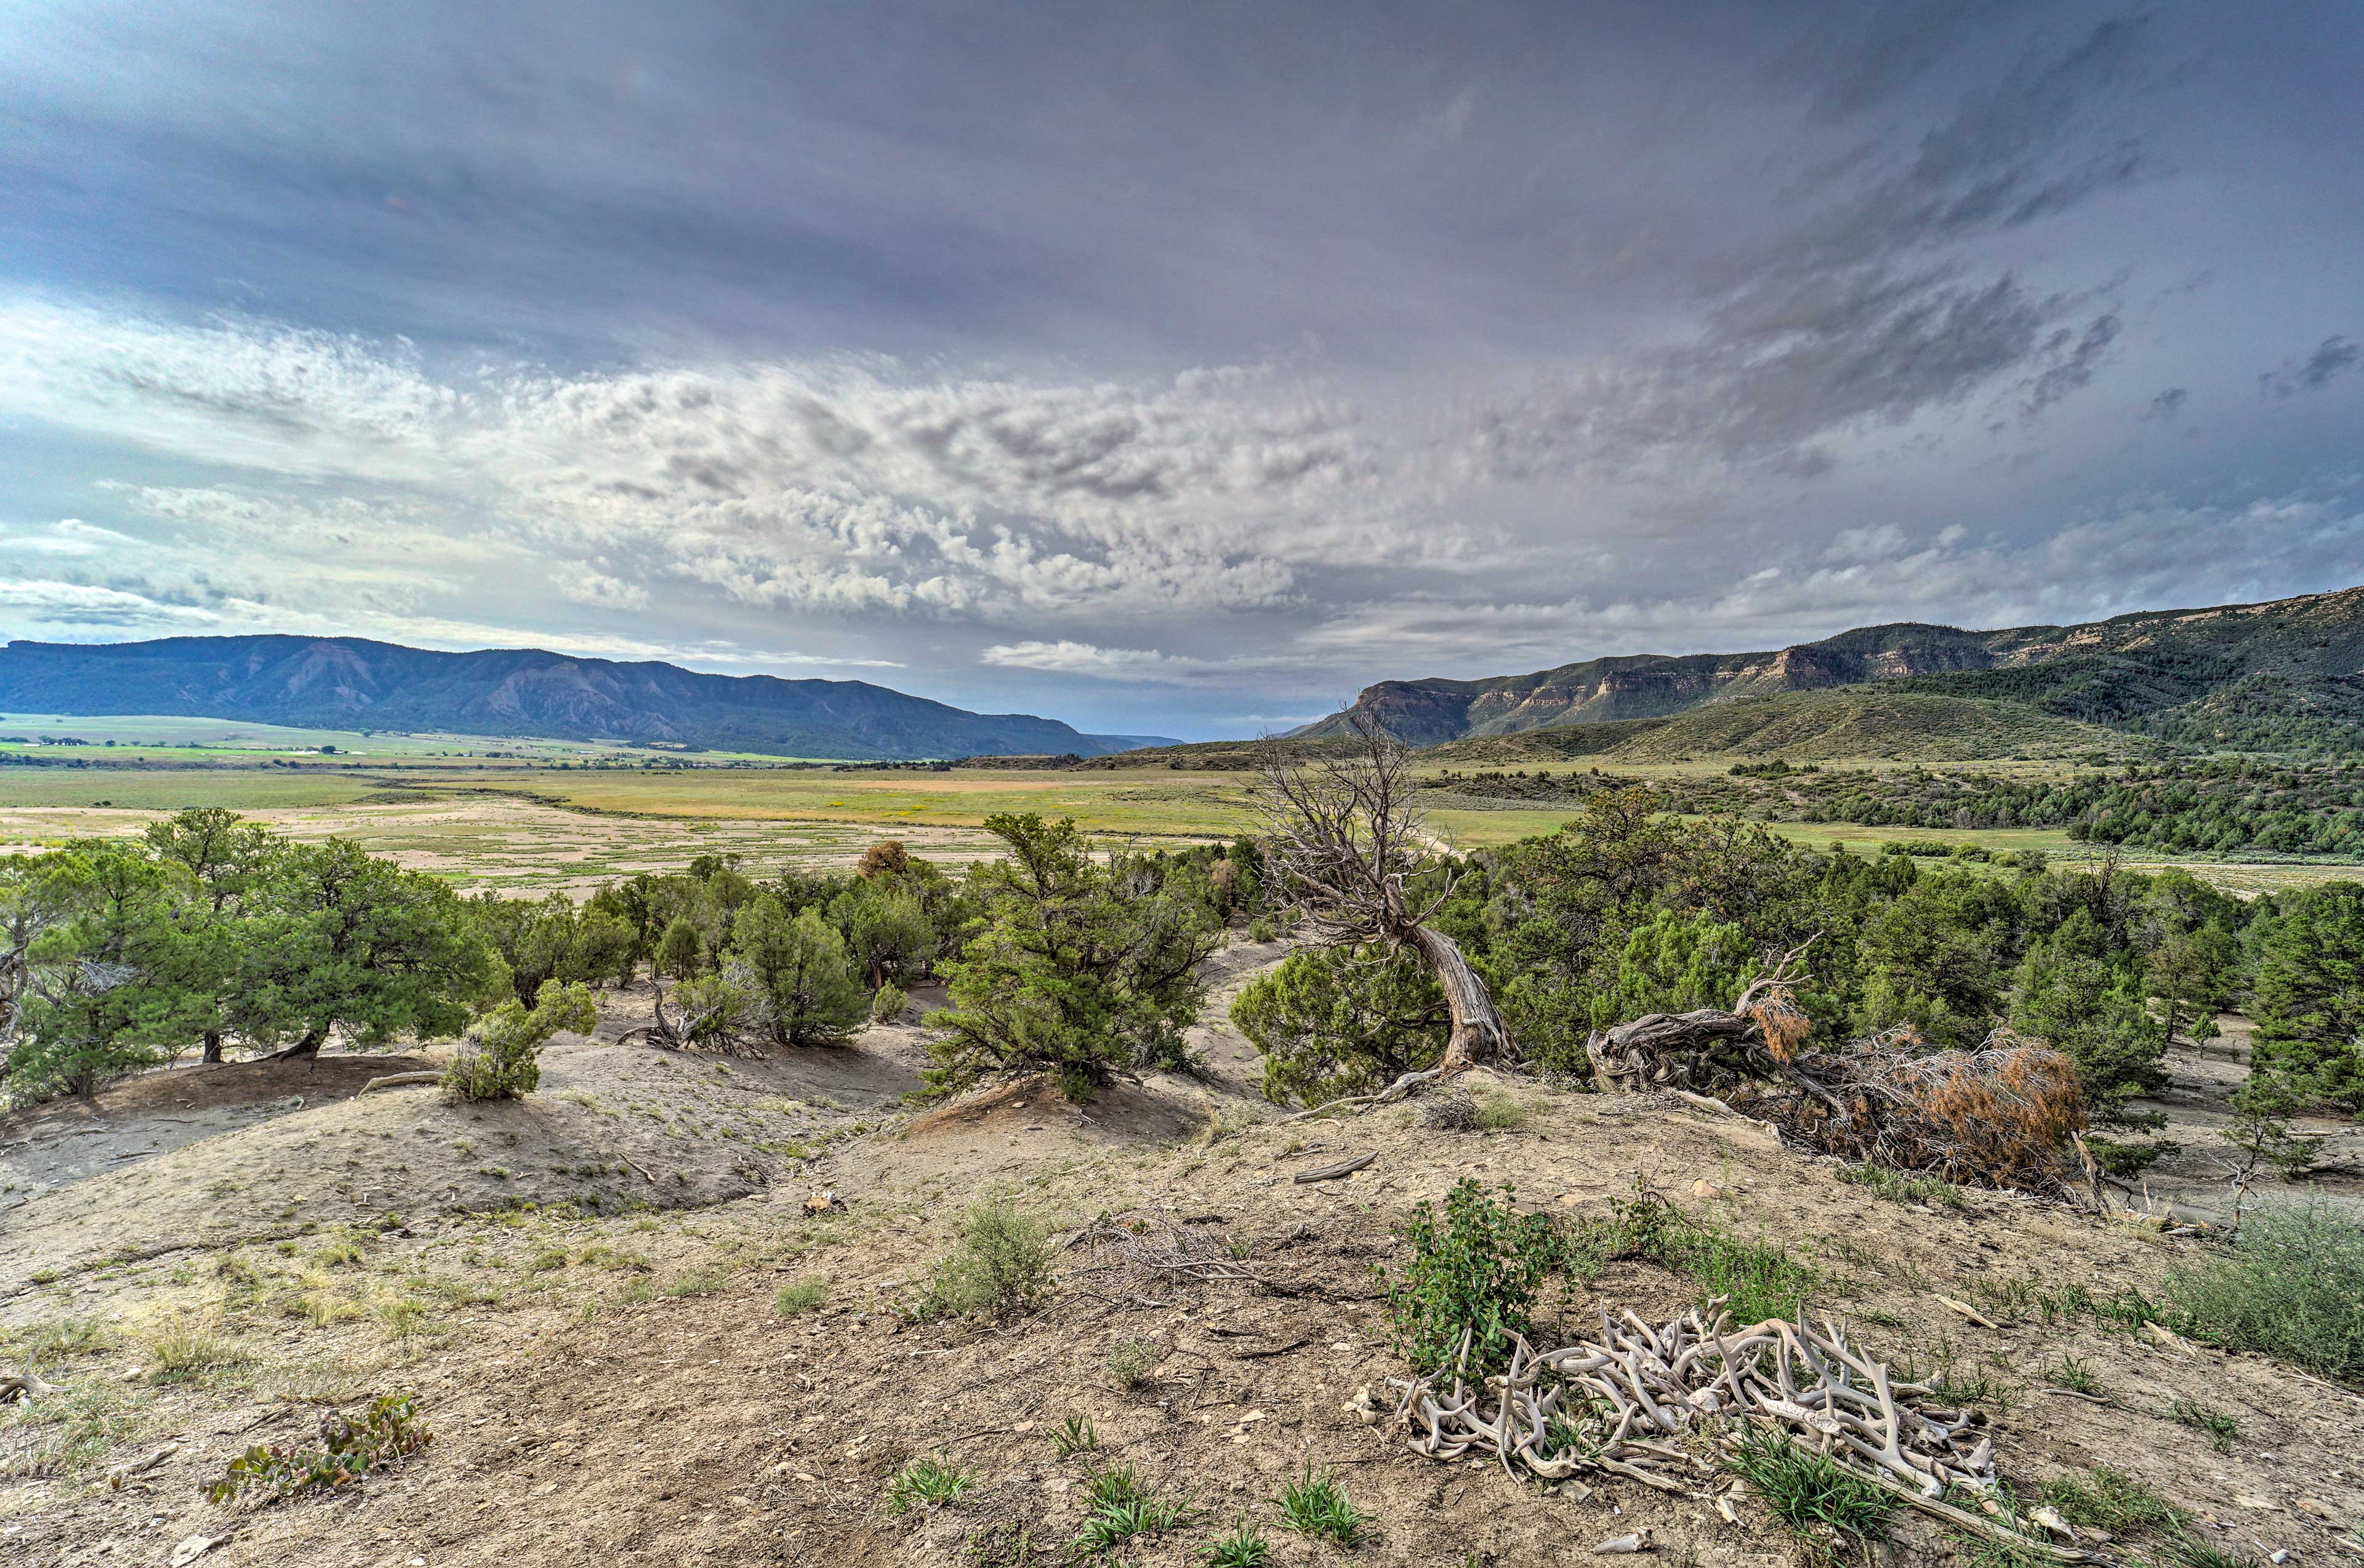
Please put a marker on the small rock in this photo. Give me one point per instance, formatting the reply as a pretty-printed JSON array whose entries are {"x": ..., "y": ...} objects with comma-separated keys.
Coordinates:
[
  {"x": 1705, "y": 1188},
  {"x": 195, "y": 1546},
  {"x": 1633, "y": 1541}
]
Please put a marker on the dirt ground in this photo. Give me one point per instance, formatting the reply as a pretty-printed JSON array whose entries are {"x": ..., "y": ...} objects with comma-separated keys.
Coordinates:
[{"x": 622, "y": 1387}]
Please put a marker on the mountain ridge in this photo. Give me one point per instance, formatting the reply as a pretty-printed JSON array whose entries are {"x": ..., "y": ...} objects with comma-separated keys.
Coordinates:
[
  {"x": 350, "y": 682},
  {"x": 2227, "y": 674}
]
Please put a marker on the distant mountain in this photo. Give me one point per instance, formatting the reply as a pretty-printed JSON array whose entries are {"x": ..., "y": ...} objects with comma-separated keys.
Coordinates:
[
  {"x": 2287, "y": 675},
  {"x": 345, "y": 683}
]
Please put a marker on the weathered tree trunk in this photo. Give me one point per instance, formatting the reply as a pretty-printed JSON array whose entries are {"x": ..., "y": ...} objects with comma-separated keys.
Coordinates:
[
  {"x": 304, "y": 1050},
  {"x": 1480, "y": 1036},
  {"x": 213, "y": 1046}
]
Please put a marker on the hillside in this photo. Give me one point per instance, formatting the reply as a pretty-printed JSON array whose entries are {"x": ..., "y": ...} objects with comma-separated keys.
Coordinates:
[
  {"x": 1808, "y": 725},
  {"x": 2283, "y": 675},
  {"x": 346, "y": 683}
]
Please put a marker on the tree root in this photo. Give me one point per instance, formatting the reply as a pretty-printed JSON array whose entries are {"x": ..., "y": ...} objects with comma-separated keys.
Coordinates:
[{"x": 27, "y": 1385}]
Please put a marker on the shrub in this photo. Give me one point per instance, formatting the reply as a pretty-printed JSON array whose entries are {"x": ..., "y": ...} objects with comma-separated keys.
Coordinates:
[
  {"x": 349, "y": 1450},
  {"x": 1315, "y": 1503},
  {"x": 500, "y": 1059},
  {"x": 1478, "y": 1269},
  {"x": 1337, "y": 1021},
  {"x": 801, "y": 1296},
  {"x": 927, "y": 1483},
  {"x": 1499, "y": 1112},
  {"x": 888, "y": 1003},
  {"x": 999, "y": 1264},
  {"x": 1132, "y": 1363},
  {"x": 1261, "y": 929},
  {"x": 796, "y": 971},
  {"x": 1816, "y": 1498},
  {"x": 2292, "y": 1287},
  {"x": 1450, "y": 1113}
]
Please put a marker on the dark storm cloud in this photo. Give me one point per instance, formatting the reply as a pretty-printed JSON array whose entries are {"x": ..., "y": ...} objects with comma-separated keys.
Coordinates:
[
  {"x": 2335, "y": 355},
  {"x": 1231, "y": 352}
]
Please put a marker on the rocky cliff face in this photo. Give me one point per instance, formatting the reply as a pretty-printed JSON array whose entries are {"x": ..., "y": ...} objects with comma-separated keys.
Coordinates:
[{"x": 2320, "y": 635}]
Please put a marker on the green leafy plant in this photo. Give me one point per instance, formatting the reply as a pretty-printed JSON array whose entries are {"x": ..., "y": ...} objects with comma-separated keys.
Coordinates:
[
  {"x": 927, "y": 1483},
  {"x": 1315, "y": 1503},
  {"x": 1476, "y": 1268},
  {"x": 1829, "y": 1507},
  {"x": 1074, "y": 1436},
  {"x": 999, "y": 1264},
  {"x": 349, "y": 1450}
]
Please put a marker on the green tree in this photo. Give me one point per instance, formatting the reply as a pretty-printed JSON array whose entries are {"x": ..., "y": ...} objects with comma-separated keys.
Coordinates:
[
  {"x": 356, "y": 945},
  {"x": 501, "y": 1058},
  {"x": 1084, "y": 967},
  {"x": 1674, "y": 964},
  {"x": 230, "y": 862},
  {"x": 1338, "y": 1021},
  {"x": 101, "y": 990},
  {"x": 2068, "y": 992},
  {"x": 679, "y": 954},
  {"x": 886, "y": 931},
  {"x": 798, "y": 971},
  {"x": 604, "y": 949},
  {"x": 2310, "y": 991}
]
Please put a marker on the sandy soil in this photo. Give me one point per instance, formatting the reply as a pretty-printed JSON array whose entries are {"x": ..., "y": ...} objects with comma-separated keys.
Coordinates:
[{"x": 621, "y": 1387}]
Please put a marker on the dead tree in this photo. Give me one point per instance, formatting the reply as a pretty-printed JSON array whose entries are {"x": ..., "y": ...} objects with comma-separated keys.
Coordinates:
[{"x": 1346, "y": 830}]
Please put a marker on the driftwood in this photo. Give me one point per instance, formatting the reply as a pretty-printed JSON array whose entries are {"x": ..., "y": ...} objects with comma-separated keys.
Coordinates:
[
  {"x": 397, "y": 1080},
  {"x": 1624, "y": 1405},
  {"x": 1343, "y": 1168},
  {"x": 27, "y": 1385}
]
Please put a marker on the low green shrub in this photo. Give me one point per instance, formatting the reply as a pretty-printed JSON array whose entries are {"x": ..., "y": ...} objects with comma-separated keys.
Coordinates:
[
  {"x": 1499, "y": 1112},
  {"x": 349, "y": 1450},
  {"x": 999, "y": 1264},
  {"x": 1902, "y": 1186},
  {"x": 501, "y": 1058},
  {"x": 888, "y": 1003},
  {"x": 1477, "y": 1268},
  {"x": 1132, "y": 1363},
  {"x": 2291, "y": 1286}
]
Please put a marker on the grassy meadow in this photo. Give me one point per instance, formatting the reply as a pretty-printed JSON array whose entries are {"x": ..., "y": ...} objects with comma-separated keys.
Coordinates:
[{"x": 531, "y": 815}]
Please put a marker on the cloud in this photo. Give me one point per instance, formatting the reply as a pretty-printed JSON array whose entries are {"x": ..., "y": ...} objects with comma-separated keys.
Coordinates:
[
  {"x": 2167, "y": 404},
  {"x": 70, "y": 604},
  {"x": 1071, "y": 658},
  {"x": 2333, "y": 356}
]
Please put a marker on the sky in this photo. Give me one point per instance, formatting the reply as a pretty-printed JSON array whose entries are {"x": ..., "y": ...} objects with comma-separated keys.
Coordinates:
[{"x": 1172, "y": 369}]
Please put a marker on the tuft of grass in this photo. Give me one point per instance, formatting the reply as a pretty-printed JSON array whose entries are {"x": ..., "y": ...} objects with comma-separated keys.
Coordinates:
[
  {"x": 1122, "y": 1506},
  {"x": 999, "y": 1264},
  {"x": 1500, "y": 1112},
  {"x": 1132, "y": 1363},
  {"x": 546, "y": 1259},
  {"x": 1315, "y": 1503},
  {"x": 62, "y": 1434},
  {"x": 693, "y": 1282},
  {"x": 2192, "y": 1551},
  {"x": 183, "y": 1345},
  {"x": 2217, "y": 1426},
  {"x": 1902, "y": 1186},
  {"x": 1074, "y": 1436},
  {"x": 927, "y": 1483},
  {"x": 2112, "y": 1500},
  {"x": 1827, "y": 1506},
  {"x": 57, "y": 1339},
  {"x": 2075, "y": 1374},
  {"x": 1759, "y": 1279},
  {"x": 2292, "y": 1287},
  {"x": 801, "y": 1296},
  {"x": 403, "y": 1317},
  {"x": 1243, "y": 1547}
]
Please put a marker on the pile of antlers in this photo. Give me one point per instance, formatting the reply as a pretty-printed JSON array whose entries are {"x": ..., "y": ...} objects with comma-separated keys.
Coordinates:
[{"x": 1625, "y": 1403}]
